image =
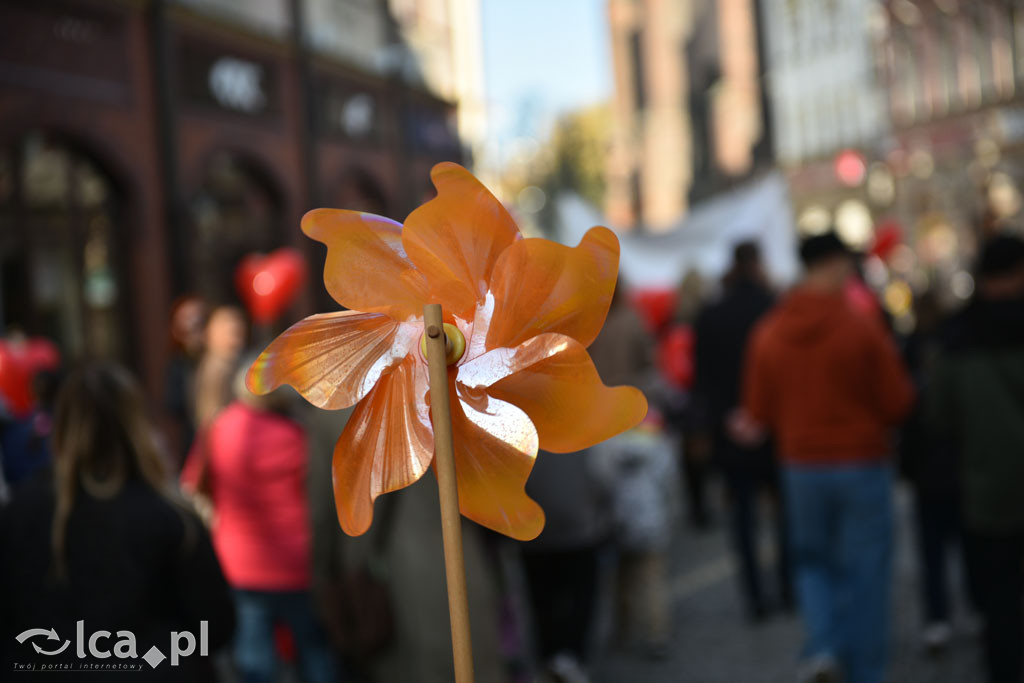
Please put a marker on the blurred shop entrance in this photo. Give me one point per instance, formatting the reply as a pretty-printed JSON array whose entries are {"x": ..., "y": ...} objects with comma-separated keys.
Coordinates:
[
  {"x": 237, "y": 210},
  {"x": 61, "y": 245}
]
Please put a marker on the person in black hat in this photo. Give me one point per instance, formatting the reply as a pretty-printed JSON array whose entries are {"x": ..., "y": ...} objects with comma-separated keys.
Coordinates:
[
  {"x": 722, "y": 329},
  {"x": 976, "y": 403}
]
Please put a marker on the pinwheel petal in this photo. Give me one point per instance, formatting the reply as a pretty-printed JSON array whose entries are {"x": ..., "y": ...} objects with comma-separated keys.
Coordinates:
[
  {"x": 333, "y": 359},
  {"x": 387, "y": 445},
  {"x": 540, "y": 286},
  {"x": 456, "y": 238},
  {"x": 495, "y": 447},
  {"x": 367, "y": 268},
  {"x": 552, "y": 378}
]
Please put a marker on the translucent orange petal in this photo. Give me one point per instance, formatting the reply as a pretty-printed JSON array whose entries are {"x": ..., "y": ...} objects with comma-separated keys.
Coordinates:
[
  {"x": 333, "y": 359},
  {"x": 495, "y": 448},
  {"x": 552, "y": 378},
  {"x": 387, "y": 445},
  {"x": 455, "y": 238},
  {"x": 367, "y": 268},
  {"x": 540, "y": 286}
]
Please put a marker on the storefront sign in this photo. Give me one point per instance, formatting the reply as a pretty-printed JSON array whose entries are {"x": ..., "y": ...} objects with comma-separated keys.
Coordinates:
[
  {"x": 349, "y": 112},
  {"x": 226, "y": 80},
  {"x": 69, "y": 50}
]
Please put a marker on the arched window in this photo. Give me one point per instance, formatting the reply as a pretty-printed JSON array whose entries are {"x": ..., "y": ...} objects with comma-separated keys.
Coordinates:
[
  {"x": 237, "y": 210},
  {"x": 358, "y": 190},
  {"x": 60, "y": 252}
]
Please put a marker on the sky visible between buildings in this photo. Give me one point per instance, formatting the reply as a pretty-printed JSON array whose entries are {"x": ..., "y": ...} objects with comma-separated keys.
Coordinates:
[{"x": 541, "y": 58}]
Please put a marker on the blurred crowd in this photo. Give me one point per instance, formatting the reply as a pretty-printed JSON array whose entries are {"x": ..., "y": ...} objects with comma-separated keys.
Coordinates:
[{"x": 805, "y": 405}]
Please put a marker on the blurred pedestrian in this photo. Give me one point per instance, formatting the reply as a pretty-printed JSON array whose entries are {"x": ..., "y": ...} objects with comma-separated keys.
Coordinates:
[
  {"x": 977, "y": 403},
  {"x": 188, "y": 323},
  {"x": 224, "y": 338},
  {"x": 640, "y": 471},
  {"x": 829, "y": 384},
  {"x": 561, "y": 565},
  {"x": 25, "y": 441},
  {"x": 382, "y": 594},
  {"x": 695, "y": 442},
  {"x": 106, "y": 541},
  {"x": 252, "y": 462},
  {"x": 931, "y": 465},
  {"x": 722, "y": 330}
]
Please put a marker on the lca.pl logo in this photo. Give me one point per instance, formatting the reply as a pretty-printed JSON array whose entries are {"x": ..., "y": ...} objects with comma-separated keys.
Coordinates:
[{"x": 102, "y": 645}]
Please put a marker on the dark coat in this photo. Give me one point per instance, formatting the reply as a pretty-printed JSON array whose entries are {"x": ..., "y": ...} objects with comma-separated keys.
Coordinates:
[
  {"x": 976, "y": 402},
  {"x": 721, "y": 330},
  {"x": 134, "y": 563}
]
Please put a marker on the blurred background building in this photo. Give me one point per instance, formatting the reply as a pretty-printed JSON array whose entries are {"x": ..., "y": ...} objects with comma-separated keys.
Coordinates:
[
  {"x": 828, "y": 108},
  {"x": 146, "y": 146},
  {"x": 689, "y": 106},
  {"x": 953, "y": 72}
]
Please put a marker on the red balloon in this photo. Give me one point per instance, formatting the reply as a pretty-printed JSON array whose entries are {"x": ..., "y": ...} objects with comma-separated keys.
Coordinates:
[
  {"x": 888, "y": 236},
  {"x": 656, "y": 305},
  {"x": 269, "y": 283},
  {"x": 675, "y": 356}
]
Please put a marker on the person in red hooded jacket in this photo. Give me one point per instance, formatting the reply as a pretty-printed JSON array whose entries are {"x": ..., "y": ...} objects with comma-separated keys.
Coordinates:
[{"x": 829, "y": 384}]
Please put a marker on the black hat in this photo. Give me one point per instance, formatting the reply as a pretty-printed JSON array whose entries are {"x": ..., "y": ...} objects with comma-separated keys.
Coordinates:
[
  {"x": 818, "y": 248},
  {"x": 1001, "y": 255}
]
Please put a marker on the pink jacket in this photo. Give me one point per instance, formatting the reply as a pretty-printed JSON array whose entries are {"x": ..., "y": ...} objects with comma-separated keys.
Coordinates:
[{"x": 257, "y": 482}]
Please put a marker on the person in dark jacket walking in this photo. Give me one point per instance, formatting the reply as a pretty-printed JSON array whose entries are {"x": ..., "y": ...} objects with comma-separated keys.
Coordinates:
[
  {"x": 977, "y": 403},
  {"x": 930, "y": 465},
  {"x": 106, "y": 547},
  {"x": 722, "y": 330}
]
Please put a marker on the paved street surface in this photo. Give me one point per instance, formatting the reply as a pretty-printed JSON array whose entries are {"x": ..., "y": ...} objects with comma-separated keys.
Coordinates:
[{"x": 713, "y": 642}]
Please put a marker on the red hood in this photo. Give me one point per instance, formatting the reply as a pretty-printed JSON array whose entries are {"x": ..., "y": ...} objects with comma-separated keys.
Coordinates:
[{"x": 805, "y": 316}]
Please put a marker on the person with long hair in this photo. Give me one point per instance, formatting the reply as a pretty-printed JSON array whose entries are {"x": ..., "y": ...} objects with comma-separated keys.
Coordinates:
[{"x": 104, "y": 543}]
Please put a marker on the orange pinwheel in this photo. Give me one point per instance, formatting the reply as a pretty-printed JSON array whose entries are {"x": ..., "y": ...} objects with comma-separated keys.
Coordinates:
[{"x": 520, "y": 313}]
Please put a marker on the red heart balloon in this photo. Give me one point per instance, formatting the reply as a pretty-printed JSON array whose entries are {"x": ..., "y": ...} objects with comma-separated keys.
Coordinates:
[
  {"x": 269, "y": 283},
  {"x": 888, "y": 236},
  {"x": 655, "y": 305}
]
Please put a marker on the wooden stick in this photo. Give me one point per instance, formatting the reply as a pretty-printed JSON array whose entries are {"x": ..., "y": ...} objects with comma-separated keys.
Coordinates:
[{"x": 451, "y": 520}]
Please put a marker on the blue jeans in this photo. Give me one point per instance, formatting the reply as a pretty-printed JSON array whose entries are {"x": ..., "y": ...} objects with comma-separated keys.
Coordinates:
[
  {"x": 255, "y": 651},
  {"x": 841, "y": 534}
]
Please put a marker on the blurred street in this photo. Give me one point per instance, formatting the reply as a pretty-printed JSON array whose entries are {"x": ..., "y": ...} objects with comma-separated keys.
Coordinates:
[
  {"x": 713, "y": 643},
  {"x": 727, "y": 297}
]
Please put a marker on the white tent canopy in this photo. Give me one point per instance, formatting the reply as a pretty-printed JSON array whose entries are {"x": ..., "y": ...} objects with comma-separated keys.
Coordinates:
[{"x": 703, "y": 240}]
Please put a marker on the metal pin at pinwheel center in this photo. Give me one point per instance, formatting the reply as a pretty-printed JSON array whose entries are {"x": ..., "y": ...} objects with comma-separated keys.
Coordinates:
[{"x": 454, "y": 342}]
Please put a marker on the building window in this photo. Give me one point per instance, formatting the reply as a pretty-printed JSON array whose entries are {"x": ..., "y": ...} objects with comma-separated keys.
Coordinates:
[
  {"x": 60, "y": 248},
  {"x": 1000, "y": 22},
  {"x": 636, "y": 54},
  {"x": 237, "y": 210},
  {"x": 1018, "y": 40}
]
